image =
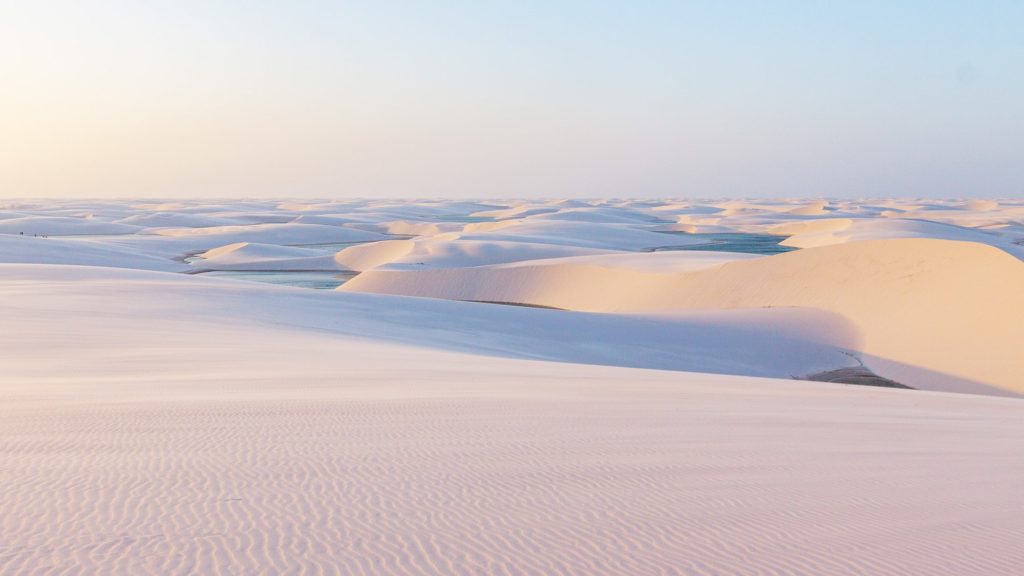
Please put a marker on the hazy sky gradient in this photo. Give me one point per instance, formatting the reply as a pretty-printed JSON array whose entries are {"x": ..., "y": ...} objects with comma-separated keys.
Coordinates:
[{"x": 477, "y": 98}]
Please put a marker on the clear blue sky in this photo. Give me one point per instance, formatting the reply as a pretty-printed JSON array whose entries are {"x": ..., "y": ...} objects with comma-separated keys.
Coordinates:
[{"x": 478, "y": 98}]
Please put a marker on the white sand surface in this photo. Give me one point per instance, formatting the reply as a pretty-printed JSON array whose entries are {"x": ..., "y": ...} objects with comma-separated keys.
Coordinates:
[
  {"x": 933, "y": 314},
  {"x": 155, "y": 422},
  {"x": 581, "y": 234},
  {"x": 450, "y": 251},
  {"x": 15, "y": 248},
  {"x": 291, "y": 233},
  {"x": 171, "y": 436},
  {"x": 255, "y": 256},
  {"x": 61, "y": 225},
  {"x": 171, "y": 219},
  {"x": 810, "y": 234}
]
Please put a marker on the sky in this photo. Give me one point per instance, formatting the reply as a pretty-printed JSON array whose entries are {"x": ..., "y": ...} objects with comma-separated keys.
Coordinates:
[{"x": 478, "y": 98}]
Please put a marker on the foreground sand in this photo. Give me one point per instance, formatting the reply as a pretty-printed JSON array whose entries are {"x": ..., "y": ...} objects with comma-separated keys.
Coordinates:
[
  {"x": 149, "y": 428},
  {"x": 629, "y": 473}
]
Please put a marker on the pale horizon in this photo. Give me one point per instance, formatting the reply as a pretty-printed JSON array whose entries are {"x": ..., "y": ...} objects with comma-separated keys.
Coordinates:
[{"x": 511, "y": 100}]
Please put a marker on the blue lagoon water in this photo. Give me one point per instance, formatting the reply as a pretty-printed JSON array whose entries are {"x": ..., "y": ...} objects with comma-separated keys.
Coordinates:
[
  {"x": 317, "y": 280},
  {"x": 734, "y": 242}
]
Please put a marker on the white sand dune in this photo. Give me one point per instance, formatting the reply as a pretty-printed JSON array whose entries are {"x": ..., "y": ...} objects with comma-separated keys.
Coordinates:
[
  {"x": 489, "y": 226},
  {"x": 580, "y": 234},
  {"x": 521, "y": 211},
  {"x": 407, "y": 228},
  {"x": 326, "y": 219},
  {"x": 812, "y": 209},
  {"x": 175, "y": 436},
  {"x": 155, "y": 422},
  {"x": 291, "y": 233},
  {"x": 366, "y": 256},
  {"x": 969, "y": 214},
  {"x": 436, "y": 252},
  {"x": 81, "y": 251},
  {"x": 170, "y": 219},
  {"x": 835, "y": 231},
  {"x": 446, "y": 251},
  {"x": 756, "y": 343},
  {"x": 981, "y": 205},
  {"x": 802, "y": 229},
  {"x": 598, "y": 215},
  {"x": 175, "y": 243},
  {"x": 920, "y": 304},
  {"x": 243, "y": 217},
  {"x": 253, "y": 256},
  {"x": 63, "y": 226}
]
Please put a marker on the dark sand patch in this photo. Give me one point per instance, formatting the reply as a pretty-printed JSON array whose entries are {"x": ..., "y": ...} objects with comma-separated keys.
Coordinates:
[
  {"x": 857, "y": 375},
  {"x": 523, "y": 304}
]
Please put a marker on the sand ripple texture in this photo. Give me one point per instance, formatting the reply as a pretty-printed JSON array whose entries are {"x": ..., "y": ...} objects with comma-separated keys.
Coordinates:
[{"x": 686, "y": 479}]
